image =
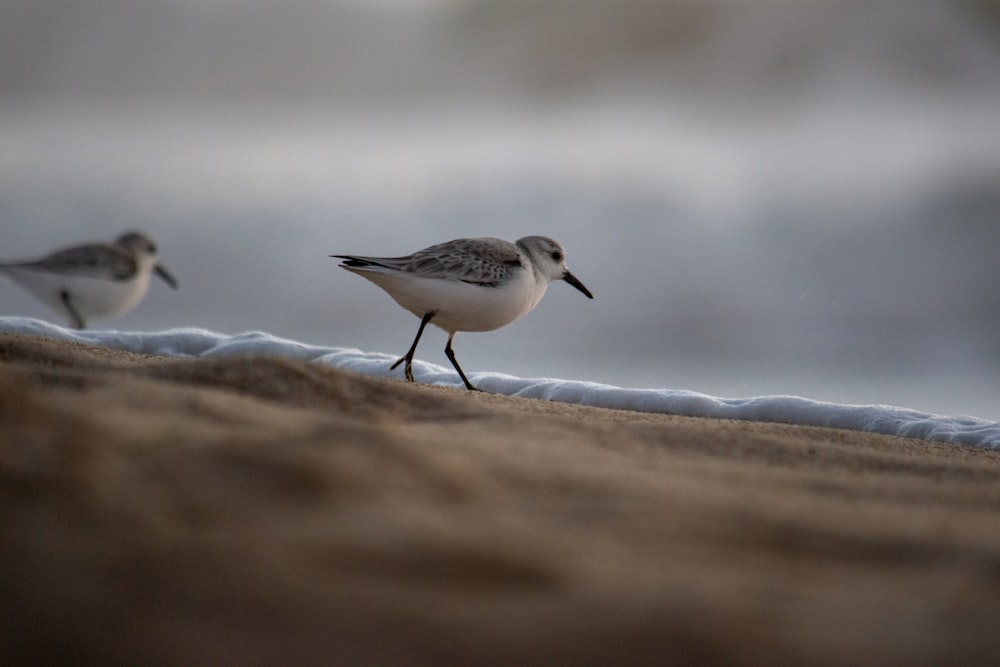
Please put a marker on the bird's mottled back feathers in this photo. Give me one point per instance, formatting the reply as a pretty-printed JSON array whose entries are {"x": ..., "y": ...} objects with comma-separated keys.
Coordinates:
[
  {"x": 97, "y": 260},
  {"x": 480, "y": 261}
]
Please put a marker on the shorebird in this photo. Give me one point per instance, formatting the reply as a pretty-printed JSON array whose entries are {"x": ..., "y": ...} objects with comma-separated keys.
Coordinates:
[
  {"x": 97, "y": 280},
  {"x": 476, "y": 284}
]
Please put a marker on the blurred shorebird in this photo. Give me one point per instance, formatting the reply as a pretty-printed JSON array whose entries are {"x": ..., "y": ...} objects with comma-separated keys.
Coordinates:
[
  {"x": 97, "y": 280},
  {"x": 467, "y": 284}
]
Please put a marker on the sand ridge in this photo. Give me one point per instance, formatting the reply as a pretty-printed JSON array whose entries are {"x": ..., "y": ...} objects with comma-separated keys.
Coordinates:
[{"x": 169, "y": 511}]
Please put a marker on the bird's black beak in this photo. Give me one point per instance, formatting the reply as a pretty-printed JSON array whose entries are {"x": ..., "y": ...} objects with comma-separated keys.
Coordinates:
[
  {"x": 168, "y": 278},
  {"x": 572, "y": 280}
]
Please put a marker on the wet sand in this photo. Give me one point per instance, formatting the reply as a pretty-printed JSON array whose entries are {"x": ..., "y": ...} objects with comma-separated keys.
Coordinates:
[{"x": 158, "y": 511}]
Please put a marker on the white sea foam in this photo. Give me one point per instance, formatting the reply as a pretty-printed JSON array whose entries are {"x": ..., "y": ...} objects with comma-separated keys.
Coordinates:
[{"x": 194, "y": 342}]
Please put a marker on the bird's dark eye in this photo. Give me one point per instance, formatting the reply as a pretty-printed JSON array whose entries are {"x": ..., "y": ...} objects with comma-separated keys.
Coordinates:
[{"x": 557, "y": 256}]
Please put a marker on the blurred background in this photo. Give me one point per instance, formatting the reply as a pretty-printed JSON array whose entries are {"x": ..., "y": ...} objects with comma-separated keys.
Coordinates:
[{"x": 765, "y": 197}]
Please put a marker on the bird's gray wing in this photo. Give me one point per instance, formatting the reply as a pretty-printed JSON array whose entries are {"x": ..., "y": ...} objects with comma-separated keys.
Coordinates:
[
  {"x": 481, "y": 261},
  {"x": 95, "y": 261}
]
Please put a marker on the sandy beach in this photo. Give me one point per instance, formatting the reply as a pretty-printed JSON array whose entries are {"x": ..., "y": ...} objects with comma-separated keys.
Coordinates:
[{"x": 163, "y": 511}]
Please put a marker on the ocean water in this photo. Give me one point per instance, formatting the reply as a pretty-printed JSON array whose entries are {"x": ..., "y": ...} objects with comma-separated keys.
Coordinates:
[
  {"x": 765, "y": 198},
  {"x": 884, "y": 419}
]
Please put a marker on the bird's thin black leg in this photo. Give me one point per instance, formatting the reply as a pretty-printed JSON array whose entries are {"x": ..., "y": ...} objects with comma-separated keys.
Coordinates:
[
  {"x": 74, "y": 315},
  {"x": 450, "y": 353},
  {"x": 413, "y": 348}
]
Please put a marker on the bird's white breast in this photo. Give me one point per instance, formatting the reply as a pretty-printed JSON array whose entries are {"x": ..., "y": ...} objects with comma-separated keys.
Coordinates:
[
  {"x": 92, "y": 297},
  {"x": 461, "y": 306}
]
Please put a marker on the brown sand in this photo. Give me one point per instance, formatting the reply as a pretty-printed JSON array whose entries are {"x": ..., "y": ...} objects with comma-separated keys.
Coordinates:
[{"x": 269, "y": 512}]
